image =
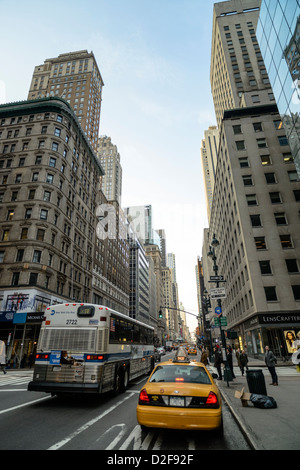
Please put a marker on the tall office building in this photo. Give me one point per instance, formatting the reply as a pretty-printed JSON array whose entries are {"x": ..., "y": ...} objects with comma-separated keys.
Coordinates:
[
  {"x": 209, "y": 153},
  {"x": 255, "y": 208},
  {"x": 48, "y": 199},
  {"x": 75, "y": 77},
  {"x": 110, "y": 161},
  {"x": 278, "y": 33}
]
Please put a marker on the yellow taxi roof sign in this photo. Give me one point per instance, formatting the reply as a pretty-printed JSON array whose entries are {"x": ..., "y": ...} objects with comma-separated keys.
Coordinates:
[{"x": 181, "y": 355}]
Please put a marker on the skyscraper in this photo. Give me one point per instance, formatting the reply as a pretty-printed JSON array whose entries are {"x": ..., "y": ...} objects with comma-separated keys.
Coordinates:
[
  {"x": 255, "y": 207},
  {"x": 110, "y": 161},
  {"x": 278, "y": 33},
  {"x": 75, "y": 77}
]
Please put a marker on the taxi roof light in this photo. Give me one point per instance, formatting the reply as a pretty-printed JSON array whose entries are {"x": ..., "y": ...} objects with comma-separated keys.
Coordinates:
[{"x": 181, "y": 356}]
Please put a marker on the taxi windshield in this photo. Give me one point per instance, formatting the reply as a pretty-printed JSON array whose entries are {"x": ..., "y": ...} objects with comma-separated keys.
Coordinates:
[{"x": 180, "y": 374}]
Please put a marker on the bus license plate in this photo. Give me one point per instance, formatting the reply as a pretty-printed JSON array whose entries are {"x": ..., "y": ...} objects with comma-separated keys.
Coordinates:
[
  {"x": 176, "y": 401},
  {"x": 56, "y": 368}
]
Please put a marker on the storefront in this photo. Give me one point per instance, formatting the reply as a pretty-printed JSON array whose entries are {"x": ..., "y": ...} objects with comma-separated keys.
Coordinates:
[
  {"x": 20, "y": 332},
  {"x": 277, "y": 330}
]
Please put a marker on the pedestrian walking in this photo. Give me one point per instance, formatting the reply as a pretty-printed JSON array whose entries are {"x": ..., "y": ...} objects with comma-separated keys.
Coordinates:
[
  {"x": 271, "y": 361},
  {"x": 243, "y": 361},
  {"x": 2, "y": 356},
  {"x": 237, "y": 355},
  {"x": 218, "y": 361},
  {"x": 204, "y": 358},
  {"x": 229, "y": 360}
]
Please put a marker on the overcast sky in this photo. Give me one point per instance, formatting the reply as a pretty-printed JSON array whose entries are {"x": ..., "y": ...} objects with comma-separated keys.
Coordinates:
[{"x": 154, "y": 58}]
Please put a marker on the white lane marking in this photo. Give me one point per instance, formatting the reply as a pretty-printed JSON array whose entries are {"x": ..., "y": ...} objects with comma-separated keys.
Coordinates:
[
  {"x": 135, "y": 435},
  {"x": 63, "y": 442},
  {"x": 117, "y": 438},
  {"x": 24, "y": 404},
  {"x": 159, "y": 441},
  {"x": 15, "y": 390}
]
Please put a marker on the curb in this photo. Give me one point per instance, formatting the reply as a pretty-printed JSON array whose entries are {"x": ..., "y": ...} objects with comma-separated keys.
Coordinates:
[{"x": 246, "y": 431}]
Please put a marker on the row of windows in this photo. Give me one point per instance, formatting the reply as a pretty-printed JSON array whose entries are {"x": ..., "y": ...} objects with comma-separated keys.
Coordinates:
[
  {"x": 275, "y": 198},
  {"x": 262, "y": 142},
  {"x": 280, "y": 219},
  {"x": 271, "y": 178},
  {"x": 125, "y": 331},
  {"x": 18, "y": 120}
]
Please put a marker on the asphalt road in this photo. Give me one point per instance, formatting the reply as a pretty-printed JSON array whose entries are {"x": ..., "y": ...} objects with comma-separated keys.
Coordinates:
[{"x": 37, "y": 421}]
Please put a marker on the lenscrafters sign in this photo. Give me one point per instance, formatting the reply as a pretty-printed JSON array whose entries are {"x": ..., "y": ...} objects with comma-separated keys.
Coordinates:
[
  {"x": 279, "y": 318},
  {"x": 273, "y": 319}
]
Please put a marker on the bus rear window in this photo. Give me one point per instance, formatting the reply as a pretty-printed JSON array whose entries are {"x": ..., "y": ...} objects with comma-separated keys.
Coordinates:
[{"x": 85, "y": 311}]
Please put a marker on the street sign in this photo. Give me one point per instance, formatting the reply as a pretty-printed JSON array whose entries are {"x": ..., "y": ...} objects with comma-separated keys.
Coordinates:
[
  {"x": 218, "y": 293},
  {"x": 218, "y": 311},
  {"x": 222, "y": 321},
  {"x": 217, "y": 278}
]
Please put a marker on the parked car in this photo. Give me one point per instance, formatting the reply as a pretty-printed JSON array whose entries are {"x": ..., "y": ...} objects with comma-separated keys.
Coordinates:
[{"x": 161, "y": 349}]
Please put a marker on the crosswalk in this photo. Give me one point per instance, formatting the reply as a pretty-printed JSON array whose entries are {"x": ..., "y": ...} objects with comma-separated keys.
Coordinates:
[
  {"x": 14, "y": 378},
  {"x": 285, "y": 371}
]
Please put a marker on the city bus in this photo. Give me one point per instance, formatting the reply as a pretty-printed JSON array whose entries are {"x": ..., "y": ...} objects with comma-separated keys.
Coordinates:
[{"x": 90, "y": 349}]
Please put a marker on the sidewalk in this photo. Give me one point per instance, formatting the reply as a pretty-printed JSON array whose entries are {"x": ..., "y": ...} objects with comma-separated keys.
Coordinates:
[{"x": 267, "y": 429}]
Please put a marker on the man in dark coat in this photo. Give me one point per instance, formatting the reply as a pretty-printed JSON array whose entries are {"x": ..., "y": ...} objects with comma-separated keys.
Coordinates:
[
  {"x": 270, "y": 361},
  {"x": 218, "y": 361}
]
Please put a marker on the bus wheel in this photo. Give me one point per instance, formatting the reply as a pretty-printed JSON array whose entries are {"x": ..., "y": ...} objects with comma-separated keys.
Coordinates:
[
  {"x": 124, "y": 380},
  {"x": 118, "y": 382}
]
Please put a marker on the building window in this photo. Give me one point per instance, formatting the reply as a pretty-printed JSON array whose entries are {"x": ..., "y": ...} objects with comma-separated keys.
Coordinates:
[
  {"x": 293, "y": 176},
  {"x": 237, "y": 129},
  {"x": 33, "y": 278},
  {"x": 49, "y": 178},
  {"x": 296, "y": 292},
  {"x": 261, "y": 143},
  {"x": 275, "y": 197},
  {"x": 255, "y": 220},
  {"x": 278, "y": 124},
  {"x": 20, "y": 254},
  {"x": 18, "y": 178},
  {"x": 36, "y": 256},
  {"x": 247, "y": 180},
  {"x": 5, "y": 235},
  {"x": 255, "y": 99},
  {"x": 260, "y": 243},
  {"x": 240, "y": 145},
  {"x": 15, "y": 279},
  {"x": 265, "y": 160},
  {"x": 287, "y": 157},
  {"x": 244, "y": 162},
  {"x": 292, "y": 266},
  {"x": 270, "y": 178},
  {"x": 52, "y": 162},
  {"x": 57, "y": 131},
  {"x": 257, "y": 126},
  {"x": 54, "y": 146},
  {"x": 251, "y": 199},
  {"x": 40, "y": 234},
  {"x": 280, "y": 218},
  {"x": 24, "y": 233},
  {"x": 47, "y": 196},
  {"x": 28, "y": 213},
  {"x": 10, "y": 214},
  {"x": 43, "y": 214},
  {"x": 286, "y": 241},
  {"x": 282, "y": 139},
  {"x": 35, "y": 177},
  {"x": 270, "y": 293},
  {"x": 31, "y": 194},
  {"x": 265, "y": 267},
  {"x": 2, "y": 253}
]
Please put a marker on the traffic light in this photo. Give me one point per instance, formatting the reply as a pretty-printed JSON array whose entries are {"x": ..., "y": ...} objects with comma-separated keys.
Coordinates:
[{"x": 160, "y": 315}]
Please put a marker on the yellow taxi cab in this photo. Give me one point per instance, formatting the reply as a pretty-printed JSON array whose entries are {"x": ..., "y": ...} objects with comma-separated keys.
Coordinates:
[
  {"x": 192, "y": 350},
  {"x": 181, "y": 394}
]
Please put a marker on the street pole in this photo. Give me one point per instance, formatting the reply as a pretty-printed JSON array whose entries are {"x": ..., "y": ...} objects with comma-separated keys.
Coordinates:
[{"x": 212, "y": 254}]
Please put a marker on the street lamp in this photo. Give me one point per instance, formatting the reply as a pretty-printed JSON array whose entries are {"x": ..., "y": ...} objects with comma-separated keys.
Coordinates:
[{"x": 212, "y": 254}]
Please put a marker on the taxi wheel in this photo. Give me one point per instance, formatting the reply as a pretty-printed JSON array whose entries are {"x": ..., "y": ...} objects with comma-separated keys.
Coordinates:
[{"x": 220, "y": 431}]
